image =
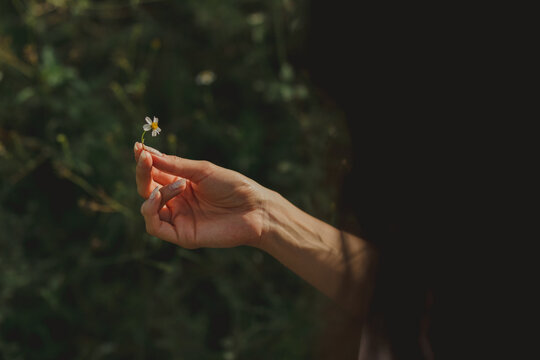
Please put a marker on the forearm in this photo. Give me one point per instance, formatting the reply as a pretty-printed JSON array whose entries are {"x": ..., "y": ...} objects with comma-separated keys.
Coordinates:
[{"x": 338, "y": 264}]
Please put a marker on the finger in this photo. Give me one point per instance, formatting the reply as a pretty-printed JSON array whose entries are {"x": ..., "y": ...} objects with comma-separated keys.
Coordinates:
[
  {"x": 157, "y": 175},
  {"x": 194, "y": 170},
  {"x": 165, "y": 214},
  {"x": 163, "y": 178},
  {"x": 154, "y": 225},
  {"x": 171, "y": 190},
  {"x": 143, "y": 175},
  {"x": 138, "y": 147}
]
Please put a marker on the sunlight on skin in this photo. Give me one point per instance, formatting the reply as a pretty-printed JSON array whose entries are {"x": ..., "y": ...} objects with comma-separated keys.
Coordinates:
[{"x": 221, "y": 208}]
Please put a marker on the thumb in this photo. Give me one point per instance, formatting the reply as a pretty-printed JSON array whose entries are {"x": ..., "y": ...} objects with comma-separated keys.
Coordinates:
[{"x": 193, "y": 170}]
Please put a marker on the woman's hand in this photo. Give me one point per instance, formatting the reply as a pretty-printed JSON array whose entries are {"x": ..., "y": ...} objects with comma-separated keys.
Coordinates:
[
  {"x": 212, "y": 207},
  {"x": 198, "y": 204}
]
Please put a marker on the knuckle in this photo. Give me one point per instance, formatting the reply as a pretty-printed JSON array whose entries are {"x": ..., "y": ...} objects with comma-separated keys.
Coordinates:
[
  {"x": 206, "y": 167},
  {"x": 177, "y": 161}
]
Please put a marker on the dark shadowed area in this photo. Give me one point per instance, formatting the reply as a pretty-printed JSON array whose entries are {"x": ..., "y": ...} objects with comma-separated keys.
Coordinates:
[{"x": 364, "y": 118}]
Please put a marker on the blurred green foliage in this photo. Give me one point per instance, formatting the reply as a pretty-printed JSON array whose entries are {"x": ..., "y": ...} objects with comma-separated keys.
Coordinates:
[{"x": 79, "y": 277}]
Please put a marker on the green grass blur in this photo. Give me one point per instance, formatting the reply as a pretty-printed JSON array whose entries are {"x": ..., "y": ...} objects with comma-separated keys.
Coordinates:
[{"x": 79, "y": 277}]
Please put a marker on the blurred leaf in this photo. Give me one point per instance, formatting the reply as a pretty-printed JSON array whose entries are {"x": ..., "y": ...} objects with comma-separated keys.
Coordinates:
[{"x": 24, "y": 95}]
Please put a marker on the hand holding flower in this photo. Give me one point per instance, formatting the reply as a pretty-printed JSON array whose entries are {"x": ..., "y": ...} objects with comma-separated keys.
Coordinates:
[
  {"x": 198, "y": 204},
  {"x": 215, "y": 207}
]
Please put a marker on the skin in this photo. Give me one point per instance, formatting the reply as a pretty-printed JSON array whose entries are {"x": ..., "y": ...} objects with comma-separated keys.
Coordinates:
[{"x": 221, "y": 208}]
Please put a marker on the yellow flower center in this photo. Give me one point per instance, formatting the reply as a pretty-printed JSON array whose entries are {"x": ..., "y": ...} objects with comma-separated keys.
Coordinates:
[{"x": 154, "y": 126}]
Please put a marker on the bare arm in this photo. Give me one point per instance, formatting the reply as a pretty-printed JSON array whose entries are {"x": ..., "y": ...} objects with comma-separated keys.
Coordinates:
[
  {"x": 338, "y": 264},
  {"x": 217, "y": 207}
]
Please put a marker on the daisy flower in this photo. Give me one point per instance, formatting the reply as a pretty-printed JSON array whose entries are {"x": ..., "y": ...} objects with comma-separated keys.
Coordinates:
[{"x": 150, "y": 125}]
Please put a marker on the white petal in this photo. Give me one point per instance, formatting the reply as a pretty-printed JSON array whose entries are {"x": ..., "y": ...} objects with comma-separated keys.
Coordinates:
[
  {"x": 154, "y": 132},
  {"x": 158, "y": 130},
  {"x": 148, "y": 120},
  {"x": 156, "y": 119},
  {"x": 147, "y": 127}
]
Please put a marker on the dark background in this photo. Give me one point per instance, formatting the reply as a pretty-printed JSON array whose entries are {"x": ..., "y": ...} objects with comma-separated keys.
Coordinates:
[
  {"x": 80, "y": 278},
  {"x": 301, "y": 93}
]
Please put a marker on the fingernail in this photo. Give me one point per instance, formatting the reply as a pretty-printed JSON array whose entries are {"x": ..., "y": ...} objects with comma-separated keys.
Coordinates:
[
  {"x": 153, "y": 151},
  {"x": 154, "y": 193},
  {"x": 136, "y": 146},
  {"x": 175, "y": 185}
]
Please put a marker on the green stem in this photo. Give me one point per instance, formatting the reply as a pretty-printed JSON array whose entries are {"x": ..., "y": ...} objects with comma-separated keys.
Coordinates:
[{"x": 142, "y": 137}]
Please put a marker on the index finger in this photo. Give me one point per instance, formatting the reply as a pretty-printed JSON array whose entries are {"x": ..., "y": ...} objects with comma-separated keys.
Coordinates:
[
  {"x": 138, "y": 148},
  {"x": 194, "y": 170}
]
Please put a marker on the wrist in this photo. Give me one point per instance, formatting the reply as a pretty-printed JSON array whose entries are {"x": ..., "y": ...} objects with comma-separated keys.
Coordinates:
[
  {"x": 271, "y": 202},
  {"x": 287, "y": 227}
]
